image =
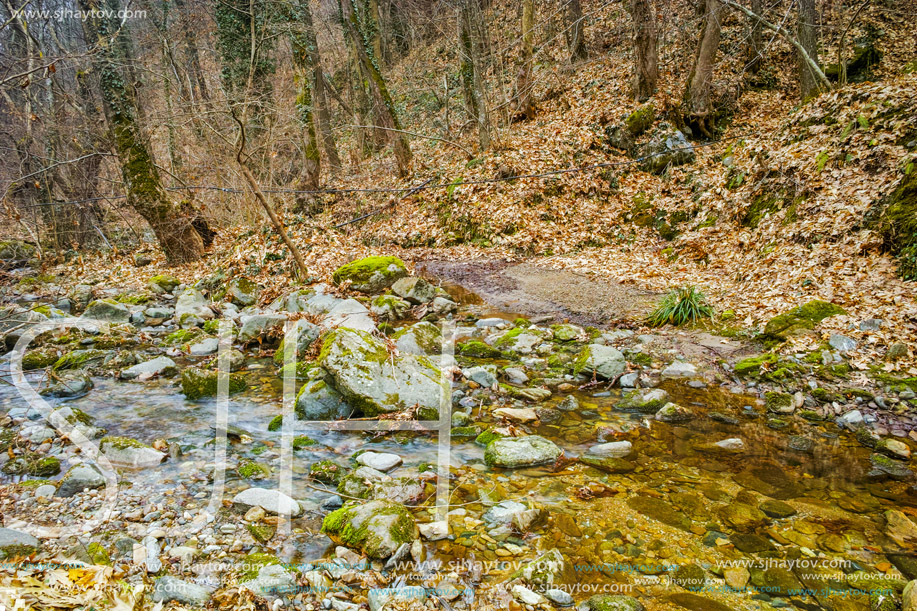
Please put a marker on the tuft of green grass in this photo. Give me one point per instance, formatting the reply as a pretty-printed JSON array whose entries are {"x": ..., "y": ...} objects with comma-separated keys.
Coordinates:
[{"x": 680, "y": 306}]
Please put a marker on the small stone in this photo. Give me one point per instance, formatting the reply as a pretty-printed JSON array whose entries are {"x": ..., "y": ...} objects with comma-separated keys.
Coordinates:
[
  {"x": 527, "y": 596},
  {"x": 272, "y": 501},
  {"x": 255, "y": 514},
  {"x": 380, "y": 461},
  {"x": 679, "y": 369},
  {"x": 517, "y": 414},
  {"x": 842, "y": 343},
  {"x": 559, "y": 597},
  {"x": 733, "y": 444},
  {"x": 736, "y": 578},
  {"x": 168, "y": 589}
]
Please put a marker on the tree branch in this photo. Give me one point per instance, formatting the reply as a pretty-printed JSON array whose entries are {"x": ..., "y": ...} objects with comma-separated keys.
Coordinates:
[{"x": 816, "y": 70}]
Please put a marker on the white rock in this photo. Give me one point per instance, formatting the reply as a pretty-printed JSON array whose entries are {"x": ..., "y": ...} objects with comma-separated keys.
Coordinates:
[
  {"x": 523, "y": 414},
  {"x": 434, "y": 531},
  {"x": 380, "y": 461},
  {"x": 272, "y": 501},
  {"x": 526, "y": 596},
  {"x": 679, "y": 369},
  {"x": 733, "y": 444}
]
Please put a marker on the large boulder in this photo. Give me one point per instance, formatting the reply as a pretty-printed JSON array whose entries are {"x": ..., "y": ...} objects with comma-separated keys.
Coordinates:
[
  {"x": 604, "y": 361},
  {"x": 515, "y": 452},
  {"x": 419, "y": 338},
  {"x": 643, "y": 401},
  {"x": 319, "y": 401},
  {"x": 377, "y": 528},
  {"x": 372, "y": 274},
  {"x": 351, "y": 314},
  {"x": 107, "y": 310},
  {"x": 801, "y": 319},
  {"x": 374, "y": 381}
]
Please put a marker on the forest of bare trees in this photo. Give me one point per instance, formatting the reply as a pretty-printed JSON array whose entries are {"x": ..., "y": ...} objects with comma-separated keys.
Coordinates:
[{"x": 113, "y": 110}]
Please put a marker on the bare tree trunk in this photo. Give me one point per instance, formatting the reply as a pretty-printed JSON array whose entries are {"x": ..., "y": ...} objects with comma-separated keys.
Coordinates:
[
  {"x": 317, "y": 81},
  {"x": 646, "y": 69},
  {"x": 302, "y": 58},
  {"x": 577, "y": 40},
  {"x": 524, "y": 106},
  {"x": 755, "y": 47},
  {"x": 807, "y": 33},
  {"x": 382, "y": 98},
  {"x": 698, "y": 105},
  {"x": 470, "y": 69},
  {"x": 194, "y": 73},
  {"x": 178, "y": 238}
]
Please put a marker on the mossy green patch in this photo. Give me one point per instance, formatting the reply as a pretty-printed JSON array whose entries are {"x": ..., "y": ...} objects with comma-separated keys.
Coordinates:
[
  {"x": 479, "y": 350},
  {"x": 250, "y": 469},
  {"x": 371, "y": 273},
  {"x": 198, "y": 383},
  {"x": 327, "y": 472},
  {"x": 800, "y": 319}
]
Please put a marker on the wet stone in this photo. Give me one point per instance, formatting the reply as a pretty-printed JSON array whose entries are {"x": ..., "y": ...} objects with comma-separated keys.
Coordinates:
[
  {"x": 777, "y": 509},
  {"x": 660, "y": 510},
  {"x": 750, "y": 543}
]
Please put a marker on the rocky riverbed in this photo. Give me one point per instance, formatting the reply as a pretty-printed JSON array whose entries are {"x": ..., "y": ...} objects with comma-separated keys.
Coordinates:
[{"x": 589, "y": 467}]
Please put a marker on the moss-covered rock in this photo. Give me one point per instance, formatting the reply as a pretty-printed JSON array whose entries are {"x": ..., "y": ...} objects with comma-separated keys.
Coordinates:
[
  {"x": 39, "y": 358},
  {"x": 327, "y": 472},
  {"x": 752, "y": 366},
  {"x": 643, "y": 401},
  {"x": 81, "y": 359},
  {"x": 479, "y": 350},
  {"x": 377, "y": 528},
  {"x": 317, "y": 400},
  {"x": 107, "y": 310},
  {"x": 389, "y": 307},
  {"x": 250, "y": 469},
  {"x": 641, "y": 119},
  {"x": 163, "y": 283},
  {"x": 419, "y": 338},
  {"x": 779, "y": 403},
  {"x": 14, "y": 253},
  {"x": 801, "y": 319},
  {"x": 242, "y": 291},
  {"x": 198, "y": 383},
  {"x": 372, "y": 274},
  {"x": 374, "y": 381}
]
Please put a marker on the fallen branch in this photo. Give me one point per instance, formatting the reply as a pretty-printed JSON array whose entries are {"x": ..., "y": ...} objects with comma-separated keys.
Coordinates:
[{"x": 259, "y": 195}]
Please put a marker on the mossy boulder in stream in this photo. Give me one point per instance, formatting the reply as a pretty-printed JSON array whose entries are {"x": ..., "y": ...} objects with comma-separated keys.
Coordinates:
[
  {"x": 515, "y": 452},
  {"x": 370, "y": 379},
  {"x": 643, "y": 401},
  {"x": 801, "y": 319},
  {"x": 198, "y": 383},
  {"x": 372, "y": 274},
  {"x": 127, "y": 452},
  {"x": 319, "y": 401},
  {"x": 603, "y": 361},
  {"x": 163, "y": 283},
  {"x": 39, "y": 358},
  {"x": 479, "y": 350},
  {"x": 377, "y": 528},
  {"x": 420, "y": 338}
]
